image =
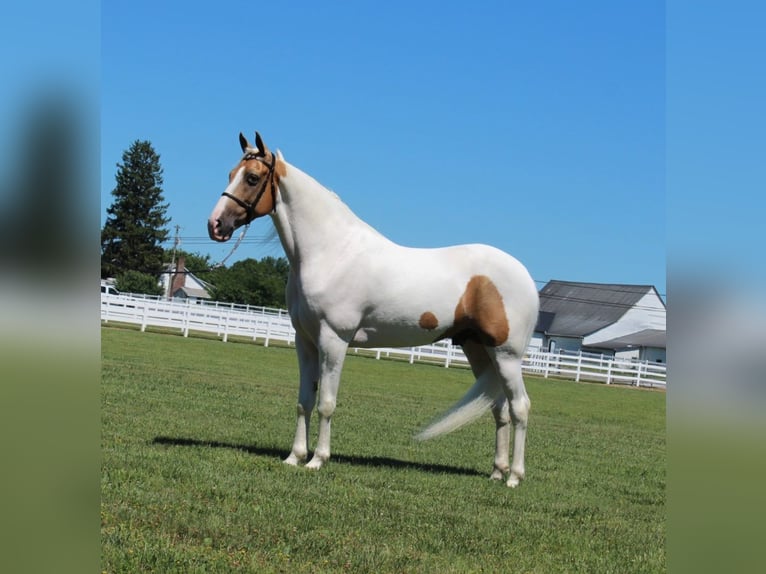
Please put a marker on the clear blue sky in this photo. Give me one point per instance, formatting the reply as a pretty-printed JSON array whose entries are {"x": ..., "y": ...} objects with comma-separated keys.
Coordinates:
[{"x": 535, "y": 127}]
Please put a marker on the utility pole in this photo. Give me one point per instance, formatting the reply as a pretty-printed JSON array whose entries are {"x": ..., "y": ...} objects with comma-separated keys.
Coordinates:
[{"x": 172, "y": 272}]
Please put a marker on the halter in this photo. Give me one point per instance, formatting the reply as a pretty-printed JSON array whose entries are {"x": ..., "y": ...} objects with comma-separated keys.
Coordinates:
[{"x": 250, "y": 207}]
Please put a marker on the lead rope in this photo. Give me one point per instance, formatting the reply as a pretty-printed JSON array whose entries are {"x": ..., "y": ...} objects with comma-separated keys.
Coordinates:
[{"x": 233, "y": 249}]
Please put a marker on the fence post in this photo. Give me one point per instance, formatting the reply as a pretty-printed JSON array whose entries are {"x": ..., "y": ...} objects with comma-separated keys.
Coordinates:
[
  {"x": 412, "y": 355},
  {"x": 268, "y": 332},
  {"x": 609, "y": 372},
  {"x": 638, "y": 374},
  {"x": 187, "y": 312},
  {"x": 579, "y": 366},
  {"x": 143, "y": 318},
  {"x": 226, "y": 328}
]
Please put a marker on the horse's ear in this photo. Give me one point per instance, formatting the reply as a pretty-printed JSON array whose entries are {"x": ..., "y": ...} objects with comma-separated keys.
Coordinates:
[
  {"x": 259, "y": 144},
  {"x": 243, "y": 142}
]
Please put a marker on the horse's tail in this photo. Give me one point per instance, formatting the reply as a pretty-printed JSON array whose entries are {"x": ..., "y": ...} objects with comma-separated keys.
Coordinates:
[{"x": 480, "y": 397}]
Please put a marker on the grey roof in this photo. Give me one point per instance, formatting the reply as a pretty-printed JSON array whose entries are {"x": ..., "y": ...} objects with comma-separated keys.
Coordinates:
[
  {"x": 192, "y": 292},
  {"x": 645, "y": 338},
  {"x": 579, "y": 309},
  {"x": 544, "y": 321}
]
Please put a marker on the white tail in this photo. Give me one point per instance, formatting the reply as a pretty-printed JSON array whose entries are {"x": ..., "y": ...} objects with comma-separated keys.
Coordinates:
[{"x": 476, "y": 401}]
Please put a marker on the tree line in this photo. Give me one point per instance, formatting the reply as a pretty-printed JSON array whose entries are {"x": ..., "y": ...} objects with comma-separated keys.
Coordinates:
[{"x": 136, "y": 228}]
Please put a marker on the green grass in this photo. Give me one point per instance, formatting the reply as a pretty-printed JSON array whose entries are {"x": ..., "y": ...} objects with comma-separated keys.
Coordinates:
[{"x": 194, "y": 430}]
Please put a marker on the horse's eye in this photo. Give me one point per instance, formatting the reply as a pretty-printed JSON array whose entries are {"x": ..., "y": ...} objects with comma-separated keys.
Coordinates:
[{"x": 252, "y": 179}]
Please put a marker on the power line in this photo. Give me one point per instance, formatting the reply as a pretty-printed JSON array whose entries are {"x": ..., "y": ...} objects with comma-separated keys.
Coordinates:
[{"x": 270, "y": 238}]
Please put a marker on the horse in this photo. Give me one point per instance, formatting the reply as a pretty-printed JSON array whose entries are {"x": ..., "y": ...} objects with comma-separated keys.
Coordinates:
[{"x": 349, "y": 285}]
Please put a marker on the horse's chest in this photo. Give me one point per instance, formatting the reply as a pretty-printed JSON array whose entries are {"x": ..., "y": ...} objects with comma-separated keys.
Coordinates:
[{"x": 310, "y": 309}]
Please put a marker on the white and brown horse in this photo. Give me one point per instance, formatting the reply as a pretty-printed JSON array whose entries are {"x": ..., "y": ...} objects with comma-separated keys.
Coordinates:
[{"x": 349, "y": 285}]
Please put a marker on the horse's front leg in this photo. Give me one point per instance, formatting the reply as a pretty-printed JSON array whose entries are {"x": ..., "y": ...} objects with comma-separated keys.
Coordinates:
[
  {"x": 308, "y": 363},
  {"x": 332, "y": 352}
]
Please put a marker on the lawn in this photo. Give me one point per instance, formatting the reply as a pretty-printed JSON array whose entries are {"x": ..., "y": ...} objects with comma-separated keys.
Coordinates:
[{"x": 194, "y": 430}]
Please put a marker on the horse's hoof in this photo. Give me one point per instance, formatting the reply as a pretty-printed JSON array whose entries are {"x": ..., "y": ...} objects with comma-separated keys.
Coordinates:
[
  {"x": 513, "y": 481},
  {"x": 292, "y": 460},
  {"x": 497, "y": 474},
  {"x": 315, "y": 463}
]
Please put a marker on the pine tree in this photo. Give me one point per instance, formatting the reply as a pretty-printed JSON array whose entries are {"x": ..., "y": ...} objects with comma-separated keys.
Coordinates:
[{"x": 135, "y": 228}]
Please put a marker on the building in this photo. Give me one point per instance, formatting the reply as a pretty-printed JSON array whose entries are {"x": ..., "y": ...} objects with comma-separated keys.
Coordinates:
[
  {"x": 180, "y": 283},
  {"x": 618, "y": 320}
]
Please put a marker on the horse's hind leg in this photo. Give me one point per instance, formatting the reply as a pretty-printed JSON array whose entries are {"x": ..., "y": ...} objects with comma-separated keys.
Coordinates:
[
  {"x": 481, "y": 364},
  {"x": 509, "y": 369},
  {"x": 502, "y": 438}
]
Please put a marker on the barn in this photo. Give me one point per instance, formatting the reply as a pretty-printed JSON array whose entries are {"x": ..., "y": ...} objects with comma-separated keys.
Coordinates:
[{"x": 612, "y": 319}]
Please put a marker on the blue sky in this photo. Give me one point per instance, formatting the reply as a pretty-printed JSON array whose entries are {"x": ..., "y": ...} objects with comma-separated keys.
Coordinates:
[
  {"x": 716, "y": 143},
  {"x": 535, "y": 127}
]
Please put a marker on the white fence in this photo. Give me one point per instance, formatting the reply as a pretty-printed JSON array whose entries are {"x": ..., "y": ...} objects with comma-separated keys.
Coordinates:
[
  {"x": 187, "y": 316},
  {"x": 265, "y": 324},
  {"x": 599, "y": 368}
]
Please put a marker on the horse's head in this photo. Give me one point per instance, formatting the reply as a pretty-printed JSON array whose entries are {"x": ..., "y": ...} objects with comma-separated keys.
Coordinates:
[{"x": 251, "y": 193}]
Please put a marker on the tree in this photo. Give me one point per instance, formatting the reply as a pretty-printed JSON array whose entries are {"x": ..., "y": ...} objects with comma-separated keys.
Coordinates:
[
  {"x": 252, "y": 282},
  {"x": 136, "y": 282},
  {"x": 136, "y": 221}
]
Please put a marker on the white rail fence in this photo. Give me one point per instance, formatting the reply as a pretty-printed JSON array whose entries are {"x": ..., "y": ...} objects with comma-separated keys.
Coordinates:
[{"x": 266, "y": 325}]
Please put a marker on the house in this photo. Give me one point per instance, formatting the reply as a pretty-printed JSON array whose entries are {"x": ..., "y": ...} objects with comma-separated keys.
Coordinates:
[
  {"x": 617, "y": 320},
  {"x": 180, "y": 283}
]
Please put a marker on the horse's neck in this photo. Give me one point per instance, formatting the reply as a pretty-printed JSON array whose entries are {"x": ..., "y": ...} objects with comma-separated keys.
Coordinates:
[{"x": 312, "y": 221}]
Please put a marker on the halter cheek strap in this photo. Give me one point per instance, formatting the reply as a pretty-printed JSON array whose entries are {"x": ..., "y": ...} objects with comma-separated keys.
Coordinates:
[{"x": 250, "y": 207}]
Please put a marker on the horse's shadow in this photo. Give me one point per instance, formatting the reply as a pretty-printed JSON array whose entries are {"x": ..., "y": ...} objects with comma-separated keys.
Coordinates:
[{"x": 372, "y": 461}]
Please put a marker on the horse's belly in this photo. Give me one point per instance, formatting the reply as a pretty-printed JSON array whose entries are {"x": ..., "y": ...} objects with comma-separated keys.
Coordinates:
[{"x": 391, "y": 336}]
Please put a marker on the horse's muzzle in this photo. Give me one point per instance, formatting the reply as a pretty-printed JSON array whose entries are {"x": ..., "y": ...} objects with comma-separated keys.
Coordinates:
[{"x": 218, "y": 231}]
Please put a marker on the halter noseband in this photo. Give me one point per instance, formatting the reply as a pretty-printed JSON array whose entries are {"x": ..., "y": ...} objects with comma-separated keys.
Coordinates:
[{"x": 250, "y": 207}]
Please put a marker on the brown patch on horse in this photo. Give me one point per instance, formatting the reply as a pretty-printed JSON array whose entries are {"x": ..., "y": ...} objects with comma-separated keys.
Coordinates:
[
  {"x": 265, "y": 204},
  {"x": 480, "y": 314},
  {"x": 280, "y": 169},
  {"x": 428, "y": 321},
  {"x": 255, "y": 165}
]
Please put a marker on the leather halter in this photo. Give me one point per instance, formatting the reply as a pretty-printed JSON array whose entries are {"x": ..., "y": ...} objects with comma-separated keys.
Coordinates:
[{"x": 248, "y": 206}]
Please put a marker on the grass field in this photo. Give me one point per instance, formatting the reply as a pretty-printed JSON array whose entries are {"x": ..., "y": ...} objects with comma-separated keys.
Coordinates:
[{"x": 194, "y": 430}]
